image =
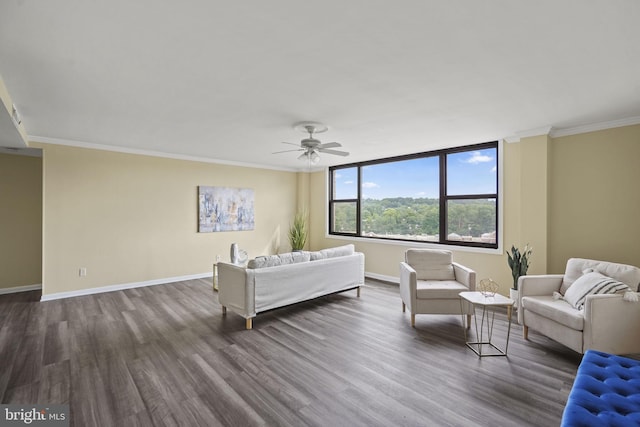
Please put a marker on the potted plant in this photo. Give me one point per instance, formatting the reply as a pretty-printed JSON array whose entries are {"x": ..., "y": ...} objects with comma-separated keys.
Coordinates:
[
  {"x": 519, "y": 263},
  {"x": 298, "y": 232}
]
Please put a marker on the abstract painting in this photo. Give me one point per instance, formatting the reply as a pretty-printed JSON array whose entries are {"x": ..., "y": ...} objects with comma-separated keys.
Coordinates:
[{"x": 225, "y": 209}]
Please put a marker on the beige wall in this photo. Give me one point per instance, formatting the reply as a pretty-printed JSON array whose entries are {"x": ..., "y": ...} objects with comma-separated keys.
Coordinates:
[
  {"x": 527, "y": 202},
  {"x": 595, "y": 197},
  {"x": 131, "y": 218},
  {"x": 20, "y": 221}
]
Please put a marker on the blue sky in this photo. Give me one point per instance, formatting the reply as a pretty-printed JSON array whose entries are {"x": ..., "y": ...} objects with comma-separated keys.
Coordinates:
[{"x": 471, "y": 172}]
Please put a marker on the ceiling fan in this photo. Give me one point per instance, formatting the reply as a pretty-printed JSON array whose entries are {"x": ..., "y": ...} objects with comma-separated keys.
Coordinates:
[{"x": 311, "y": 146}]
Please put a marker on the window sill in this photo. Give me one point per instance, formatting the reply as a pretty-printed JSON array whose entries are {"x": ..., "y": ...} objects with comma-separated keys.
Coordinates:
[{"x": 413, "y": 244}]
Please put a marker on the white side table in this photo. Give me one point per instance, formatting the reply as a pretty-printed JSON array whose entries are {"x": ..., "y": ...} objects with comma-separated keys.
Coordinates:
[{"x": 477, "y": 299}]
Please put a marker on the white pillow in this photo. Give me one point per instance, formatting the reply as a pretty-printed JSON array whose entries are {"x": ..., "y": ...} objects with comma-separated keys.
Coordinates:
[
  {"x": 276, "y": 260},
  {"x": 338, "y": 251},
  {"x": 590, "y": 284},
  {"x": 431, "y": 264}
]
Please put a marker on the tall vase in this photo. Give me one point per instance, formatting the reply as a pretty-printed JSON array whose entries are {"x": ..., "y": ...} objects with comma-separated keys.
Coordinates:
[
  {"x": 234, "y": 253},
  {"x": 513, "y": 294}
]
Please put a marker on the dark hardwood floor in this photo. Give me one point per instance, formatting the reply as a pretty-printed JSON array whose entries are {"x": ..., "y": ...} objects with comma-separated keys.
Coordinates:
[{"x": 165, "y": 355}]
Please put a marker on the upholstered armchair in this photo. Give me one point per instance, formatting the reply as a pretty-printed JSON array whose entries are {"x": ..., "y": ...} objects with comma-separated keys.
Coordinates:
[
  {"x": 556, "y": 306},
  {"x": 430, "y": 283}
]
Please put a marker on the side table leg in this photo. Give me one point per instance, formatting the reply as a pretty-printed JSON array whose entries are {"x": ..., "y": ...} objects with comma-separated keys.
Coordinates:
[
  {"x": 506, "y": 348},
  {"x": 463, "y": 325}
]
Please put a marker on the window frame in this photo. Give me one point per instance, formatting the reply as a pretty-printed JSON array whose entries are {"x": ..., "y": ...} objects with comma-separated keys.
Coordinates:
[{"x": 444, "y": 197}]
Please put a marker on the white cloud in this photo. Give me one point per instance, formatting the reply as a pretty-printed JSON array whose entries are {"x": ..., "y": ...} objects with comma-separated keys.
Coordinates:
[
  {"x": 477, "y": 157},
  {"x": 348, "y": 182},
  {"x": 337, "y": 176},
  {"x": 421, "y": 193},
  {"x": 494, "y": 169},
  {"x": 370, "y": 185}
]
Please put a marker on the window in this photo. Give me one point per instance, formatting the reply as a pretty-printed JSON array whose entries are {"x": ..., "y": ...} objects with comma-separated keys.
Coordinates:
[{"x": 448, "y": 197}]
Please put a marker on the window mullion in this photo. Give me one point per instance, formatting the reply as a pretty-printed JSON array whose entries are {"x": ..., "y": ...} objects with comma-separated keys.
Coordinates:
[
  {"x": 359, "y": 204},
  {"x": 443, "y": 198}
]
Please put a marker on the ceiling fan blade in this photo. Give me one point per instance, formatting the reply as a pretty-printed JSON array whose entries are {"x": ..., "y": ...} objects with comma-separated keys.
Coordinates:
[
  {"x": 291, "y": 143},
  {"x": 330, "y": 145},
  {"x": 336, "y": 152},
  {"x": 287, "y": 151}
]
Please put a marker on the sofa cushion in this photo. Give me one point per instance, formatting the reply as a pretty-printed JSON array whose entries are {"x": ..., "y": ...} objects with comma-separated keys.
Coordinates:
[
  {"x": 439, "y": 289},
  {"x": 557, "y": 310},
  {"x": 627, "y": 274},
  {"x": 281, "y": 259},
  {"x": 590, "y": 284},
  {"x": 333, "y": 252},
  {"x": 431, "y": 264}
]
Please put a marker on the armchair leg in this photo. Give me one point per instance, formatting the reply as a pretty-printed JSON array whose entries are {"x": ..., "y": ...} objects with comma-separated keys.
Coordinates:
[
  {"x": 404, "y": 307},
  {"x": 358, "y": 292},
  {"x": 224, "y": 310},
  {"x": 249, "y": 323},
  {"x": 413, "y": 320},
  {"x": 525, "y": 332}
]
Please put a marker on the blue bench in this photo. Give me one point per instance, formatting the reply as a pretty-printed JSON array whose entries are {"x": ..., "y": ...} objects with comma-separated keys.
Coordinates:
[{"x": 606, "y": 392}]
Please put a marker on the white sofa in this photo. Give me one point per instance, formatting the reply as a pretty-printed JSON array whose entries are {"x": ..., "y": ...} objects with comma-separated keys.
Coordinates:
[
  {"x": 607, "y": 322},
  {"x": 274, "y": 281}
]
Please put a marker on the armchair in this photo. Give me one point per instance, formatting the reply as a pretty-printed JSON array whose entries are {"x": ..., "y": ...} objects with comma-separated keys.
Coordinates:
[
  {"x": 607, "y": 322},
  {"x": 430, "y": 283}
]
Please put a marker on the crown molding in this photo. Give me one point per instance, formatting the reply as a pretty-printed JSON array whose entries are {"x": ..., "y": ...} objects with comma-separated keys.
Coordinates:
[
  {"x": 630, "y": 121},
  {"x": 126, "y": 150},
  {"x": 545, "y": 130},
  {"x": 555, "y": 132}
]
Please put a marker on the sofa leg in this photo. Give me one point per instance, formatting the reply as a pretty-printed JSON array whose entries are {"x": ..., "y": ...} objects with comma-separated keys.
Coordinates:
[
  {"x": 404, "y": 307},
  {"x": 525, "y": 332},
  {"x": 413, "y": 320},
  {"x": 249, "y": 323},
  {"x": 224, "y": 310},
  {"x": 358, "y": 292}
]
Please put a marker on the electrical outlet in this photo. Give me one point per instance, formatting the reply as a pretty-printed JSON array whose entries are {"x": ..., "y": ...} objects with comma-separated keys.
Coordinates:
[
  {"x": 82, "y": 272},
  {"x": 218, "y": 258}
]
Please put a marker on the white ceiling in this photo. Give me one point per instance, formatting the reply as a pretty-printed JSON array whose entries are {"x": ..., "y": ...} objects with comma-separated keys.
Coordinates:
[{"x": 227, "y": 79}]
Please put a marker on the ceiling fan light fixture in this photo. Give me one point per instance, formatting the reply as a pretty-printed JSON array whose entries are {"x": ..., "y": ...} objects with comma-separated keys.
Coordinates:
[
  {"x": 310, "y": 146},
  {"x": 314, "y": 157}
]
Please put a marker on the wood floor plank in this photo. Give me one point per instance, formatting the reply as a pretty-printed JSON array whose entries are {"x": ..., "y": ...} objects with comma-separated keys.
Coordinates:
[
  {"x": 55, "y": 383},
  {"x": 166, "y": 356}
]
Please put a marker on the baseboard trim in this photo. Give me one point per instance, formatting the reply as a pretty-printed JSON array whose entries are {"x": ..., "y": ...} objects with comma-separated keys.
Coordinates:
[
  {"x": 384, "y": 278},
  {"x": 17, "y": 289},
  {"x": 111, "y": 288}
]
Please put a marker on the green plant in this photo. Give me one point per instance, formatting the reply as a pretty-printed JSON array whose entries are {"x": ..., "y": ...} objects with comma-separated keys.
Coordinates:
[
  {"x": 519, "y": 262},
  {"x": 298, "y": 232}
]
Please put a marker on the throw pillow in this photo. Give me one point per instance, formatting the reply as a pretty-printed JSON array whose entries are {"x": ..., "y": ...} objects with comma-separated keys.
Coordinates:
[
  {"x": 338, "y": 251},
  {"x": 590, "y": 284},
  {"x": 431, "y": 264},
  {"x": 276, "y": 260},
  {"x": 317, "y": 255}
]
